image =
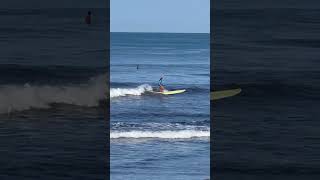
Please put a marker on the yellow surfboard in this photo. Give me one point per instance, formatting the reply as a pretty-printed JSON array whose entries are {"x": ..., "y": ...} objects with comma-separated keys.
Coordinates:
[
  {"x": 215, "y": 95},
  {"x": 172, "y": 92}
]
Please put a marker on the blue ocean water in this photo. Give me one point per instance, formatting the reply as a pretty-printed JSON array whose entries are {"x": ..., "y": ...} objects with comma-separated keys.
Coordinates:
[
  {"x": 156, "y": 136},
  {"x": 270, "y": 130},
  {"x": 53, "y": 71}
]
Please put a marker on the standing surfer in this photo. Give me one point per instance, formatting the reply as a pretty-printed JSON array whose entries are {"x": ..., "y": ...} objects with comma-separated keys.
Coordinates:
[{"x": 161, "y": 87}]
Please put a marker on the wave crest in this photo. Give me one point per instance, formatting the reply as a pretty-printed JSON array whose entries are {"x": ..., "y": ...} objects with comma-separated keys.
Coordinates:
[
  {"x": 182, "y": 134},
  {"x": 24, "y": 97},
  {"x": 138, "y": 91}
]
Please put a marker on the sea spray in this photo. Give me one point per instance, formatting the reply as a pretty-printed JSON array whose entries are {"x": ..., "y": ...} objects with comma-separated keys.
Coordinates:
[
  {"x": 117, "y": 92},
  {"x": 28, "y": 96}
]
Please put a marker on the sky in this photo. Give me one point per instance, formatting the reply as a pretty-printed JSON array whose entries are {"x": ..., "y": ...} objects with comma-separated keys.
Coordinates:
[{"x": 173, "y": 16}]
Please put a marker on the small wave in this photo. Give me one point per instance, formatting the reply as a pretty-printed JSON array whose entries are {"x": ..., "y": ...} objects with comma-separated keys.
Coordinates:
[
  {"x": 24, "y": 97},
  {"x": 117, "y": 92},
  {"x": 197, "y": 125},
  {"x": 182, "y": 134}
]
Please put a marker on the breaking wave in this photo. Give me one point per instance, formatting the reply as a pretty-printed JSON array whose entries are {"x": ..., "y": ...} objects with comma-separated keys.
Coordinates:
[
  {"x": 138, "y": 91},
  {"x": 181, "y": 134},
  {"x": 24, "y": 97}
]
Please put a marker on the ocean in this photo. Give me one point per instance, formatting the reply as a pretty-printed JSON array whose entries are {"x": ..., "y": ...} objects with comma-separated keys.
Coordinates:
[
  {"x": 270, "y": 130},
  {"x": 54, "y": 72},
  {"x": 156, "y": 136}
]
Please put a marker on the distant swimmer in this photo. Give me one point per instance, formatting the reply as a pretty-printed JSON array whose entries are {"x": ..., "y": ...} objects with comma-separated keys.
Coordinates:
[
  {"x": 88, "y": 18},
  {"x": 137, "y": 66},
  {"x": 161, "y": 87}
]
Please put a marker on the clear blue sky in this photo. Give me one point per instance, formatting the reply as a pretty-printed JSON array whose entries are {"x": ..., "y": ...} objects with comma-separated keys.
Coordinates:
[{"x": 184, "y": 16}]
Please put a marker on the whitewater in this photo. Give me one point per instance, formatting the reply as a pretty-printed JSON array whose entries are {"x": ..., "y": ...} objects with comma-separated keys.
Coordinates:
[
  {"x": 117, "y": 92},
  {"x": 169, "y": 134},
  {"x": 24, "y": 97}
]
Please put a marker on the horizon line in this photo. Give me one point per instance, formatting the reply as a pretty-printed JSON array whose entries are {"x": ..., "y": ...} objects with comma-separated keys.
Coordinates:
[{"x": 159, "y": 32}]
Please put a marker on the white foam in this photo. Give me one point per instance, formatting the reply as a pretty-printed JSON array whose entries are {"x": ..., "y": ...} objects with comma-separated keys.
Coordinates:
[
  {"x": 182, "y": 134},
  {"x": 24, "y": 97},
  {"x": 138, "y": 91}
]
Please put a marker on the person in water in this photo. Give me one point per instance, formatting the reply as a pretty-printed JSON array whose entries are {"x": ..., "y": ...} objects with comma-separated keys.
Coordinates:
[
  {"x": 161, "y": 87},
  {"x": 88, "y": 18}
]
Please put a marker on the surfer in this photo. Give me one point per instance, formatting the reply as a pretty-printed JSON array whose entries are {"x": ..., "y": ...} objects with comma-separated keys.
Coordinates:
[
  {"x": 88, "y": 18},
  {"x": 161, "y": 87}
]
